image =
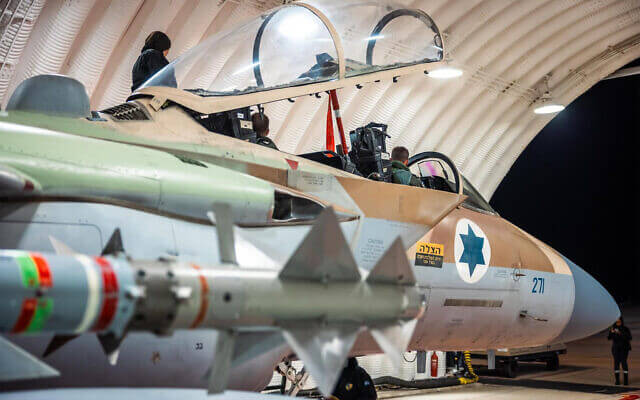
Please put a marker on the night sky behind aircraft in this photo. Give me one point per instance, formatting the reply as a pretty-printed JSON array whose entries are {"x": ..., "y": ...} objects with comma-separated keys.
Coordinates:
[{"x": 581, "y": 173}]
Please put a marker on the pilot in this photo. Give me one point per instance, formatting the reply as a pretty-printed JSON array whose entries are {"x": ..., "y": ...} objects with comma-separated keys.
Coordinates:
[
  {"x": 261, "y": 127},
  {"x": 400, "y": 171},
  {"x": 354, "y": 383},
  {"x": 152, "y": 59}
]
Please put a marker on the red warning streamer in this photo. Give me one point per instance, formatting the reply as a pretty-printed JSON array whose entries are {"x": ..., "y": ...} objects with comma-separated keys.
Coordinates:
[
  {"x": 110, "y": 291},
  {"x": 336, "y": 110},
  {"x": 331, "y": 143}
]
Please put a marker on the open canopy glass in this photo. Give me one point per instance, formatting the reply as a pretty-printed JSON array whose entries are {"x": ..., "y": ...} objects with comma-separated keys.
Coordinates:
[{"x": 303, "y": 43}]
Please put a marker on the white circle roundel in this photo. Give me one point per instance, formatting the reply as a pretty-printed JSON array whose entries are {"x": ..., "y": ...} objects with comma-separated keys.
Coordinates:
[{"x": 471, "y": 250}]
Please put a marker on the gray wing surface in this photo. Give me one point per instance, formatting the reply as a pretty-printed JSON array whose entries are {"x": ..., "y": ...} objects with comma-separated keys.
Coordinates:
[{"x": 133, "y": 394}]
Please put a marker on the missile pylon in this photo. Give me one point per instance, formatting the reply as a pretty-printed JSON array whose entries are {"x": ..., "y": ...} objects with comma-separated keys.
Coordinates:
[{"x": 319, "y": 299}]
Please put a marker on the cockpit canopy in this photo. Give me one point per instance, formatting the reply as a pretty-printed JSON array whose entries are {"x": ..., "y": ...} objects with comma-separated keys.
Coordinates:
[{"x": 303, "y": 43}]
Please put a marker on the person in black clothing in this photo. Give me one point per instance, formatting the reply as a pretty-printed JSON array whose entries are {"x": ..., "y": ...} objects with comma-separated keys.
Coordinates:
[
  {"x": 354, "y": 383},
  {"x": 152, "y": 59},
  {"x": 260, "y": 123},
  {"x": 621, "y": 337}
]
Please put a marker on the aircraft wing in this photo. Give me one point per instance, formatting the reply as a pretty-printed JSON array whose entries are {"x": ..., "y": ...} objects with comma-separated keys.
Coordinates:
[{"x": 133, "y": 394}]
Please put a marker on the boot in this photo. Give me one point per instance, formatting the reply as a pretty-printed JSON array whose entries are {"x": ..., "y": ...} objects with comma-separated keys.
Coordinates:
[
  {"x": 626, "y": 378},
  {"x": 617, "y": 376}
]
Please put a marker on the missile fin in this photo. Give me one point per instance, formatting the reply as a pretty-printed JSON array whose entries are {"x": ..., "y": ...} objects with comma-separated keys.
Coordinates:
[
  {"x": 111, "y": 346},
  {"x": 323, "y": 255},
  {"x": 393, "y": 339},
  {"x": 250, "y": 345},
  {"x": 393, "y": 267},
  {"x": 19, "y": 364},
  {"x": 323, "y": 350},
  {"x": 221, "y": 364},
  {"x": 57, "y": 342},
  {"x": 61, "y": 248},
  {"x": 222, "y": 217},
  {"x": 114, "y": 245}
]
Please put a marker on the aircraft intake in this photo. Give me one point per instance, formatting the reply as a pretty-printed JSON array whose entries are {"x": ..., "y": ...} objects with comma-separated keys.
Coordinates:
[{"x": 319, "y": 299}]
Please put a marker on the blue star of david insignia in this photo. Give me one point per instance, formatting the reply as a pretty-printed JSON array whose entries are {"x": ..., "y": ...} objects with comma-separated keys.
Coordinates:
[{"x": 472, "y": 254}]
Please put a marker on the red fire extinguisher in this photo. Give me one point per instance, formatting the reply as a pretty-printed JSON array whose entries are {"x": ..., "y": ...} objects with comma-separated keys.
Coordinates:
[{"x": 434, "y": 365}]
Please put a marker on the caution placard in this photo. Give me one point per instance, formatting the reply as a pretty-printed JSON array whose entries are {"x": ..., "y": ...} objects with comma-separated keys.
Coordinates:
[{"x": 429, "y": 254}]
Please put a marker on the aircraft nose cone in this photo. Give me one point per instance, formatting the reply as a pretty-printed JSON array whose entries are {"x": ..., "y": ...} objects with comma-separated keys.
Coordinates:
[{"x": 593, "y": 310}]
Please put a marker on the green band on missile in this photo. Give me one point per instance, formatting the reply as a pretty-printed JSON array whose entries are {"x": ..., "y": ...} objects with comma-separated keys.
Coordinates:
[
  {"x": 28, "y": 271},
  {"x": 40, "y": 317}
]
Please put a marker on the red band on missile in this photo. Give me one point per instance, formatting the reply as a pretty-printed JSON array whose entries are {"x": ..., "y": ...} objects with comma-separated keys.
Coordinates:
[
  {"x": 33, "y": 315},
  {"x": 26, "y": 315},
  {"x": 44, "y": 273},
  {"x": 204, "y": 299},
  {"x": 110, "y": 292}
]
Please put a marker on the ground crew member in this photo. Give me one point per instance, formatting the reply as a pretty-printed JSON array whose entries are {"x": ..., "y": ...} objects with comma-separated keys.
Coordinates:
[
  {"x": 261, "y": 127},
  {"x": 354, "y": 383},
  {"x": 152, "y": 58},
  {"x": 400, "y": 171},
  {"x": 621, "y": 337}
]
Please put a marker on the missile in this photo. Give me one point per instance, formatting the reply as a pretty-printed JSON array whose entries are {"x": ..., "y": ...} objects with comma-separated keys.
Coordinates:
[{"x": 319, "y": 299}]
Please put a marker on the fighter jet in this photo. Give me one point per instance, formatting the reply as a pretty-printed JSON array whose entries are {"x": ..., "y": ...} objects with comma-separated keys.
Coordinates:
[{"x": 153, "y": 244}]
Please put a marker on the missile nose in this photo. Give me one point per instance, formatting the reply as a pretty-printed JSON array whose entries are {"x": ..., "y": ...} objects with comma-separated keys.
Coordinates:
[{"x": 593, "y": 309}]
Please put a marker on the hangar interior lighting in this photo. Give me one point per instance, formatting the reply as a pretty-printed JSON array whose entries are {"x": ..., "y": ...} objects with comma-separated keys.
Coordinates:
[
  {"x": 445, "y": 73},
  {"x": 548, "y": 108},
  {"x": 547, "y": 104}
]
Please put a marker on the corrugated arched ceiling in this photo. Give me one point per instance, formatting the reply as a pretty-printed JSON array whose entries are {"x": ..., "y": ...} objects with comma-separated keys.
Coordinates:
[{"x": 483, "y": 120}]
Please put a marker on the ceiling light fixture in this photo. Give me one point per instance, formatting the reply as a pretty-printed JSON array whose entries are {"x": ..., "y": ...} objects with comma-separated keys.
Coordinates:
[
  {"x": 445, "y": 73},
  {"x": 548, "y": 108},
  {"x": 546, "y": 103}
]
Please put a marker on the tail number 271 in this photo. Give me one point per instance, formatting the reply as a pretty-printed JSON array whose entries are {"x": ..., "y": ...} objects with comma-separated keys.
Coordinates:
[{"x": 538, "y": 285}]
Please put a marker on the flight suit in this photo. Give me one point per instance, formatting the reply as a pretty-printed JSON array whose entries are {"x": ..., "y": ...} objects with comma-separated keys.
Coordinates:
[
  {"x": 354, "y": 384},
  {"x": 402, "y": 175}
]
